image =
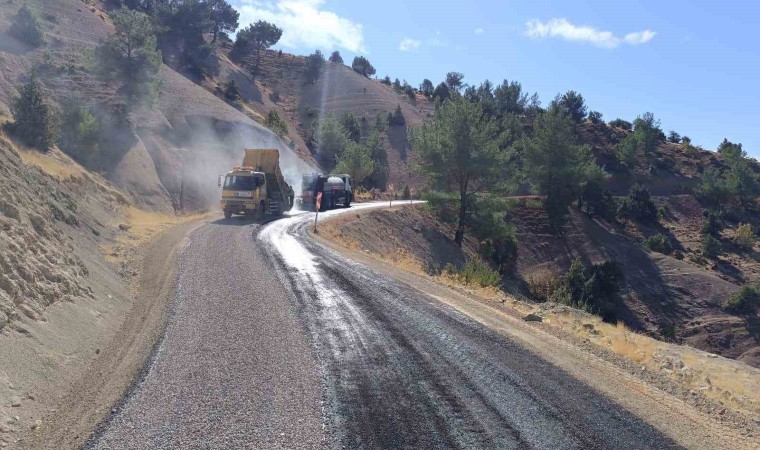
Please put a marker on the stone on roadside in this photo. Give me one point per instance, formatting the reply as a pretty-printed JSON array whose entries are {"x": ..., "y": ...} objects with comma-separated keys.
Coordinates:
[{"x": 533, "y": 318}]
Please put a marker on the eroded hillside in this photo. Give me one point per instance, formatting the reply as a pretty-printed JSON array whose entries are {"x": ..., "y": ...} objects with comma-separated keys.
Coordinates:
[{"x": 156, "y": 155}]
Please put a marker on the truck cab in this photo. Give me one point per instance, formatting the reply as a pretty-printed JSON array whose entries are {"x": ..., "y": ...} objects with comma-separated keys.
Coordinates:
[
  {"x": 256, "y": 187},
  {"x": 244, "y": 191}
]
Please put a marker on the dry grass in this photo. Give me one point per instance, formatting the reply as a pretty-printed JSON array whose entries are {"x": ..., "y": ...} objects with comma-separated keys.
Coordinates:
[
  {"x": 735, "y": 385},
  {"x": 542, "y": 283}
]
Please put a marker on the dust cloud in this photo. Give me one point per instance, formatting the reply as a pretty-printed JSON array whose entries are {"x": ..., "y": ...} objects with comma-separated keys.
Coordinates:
[{"x": 213, "y": 148}]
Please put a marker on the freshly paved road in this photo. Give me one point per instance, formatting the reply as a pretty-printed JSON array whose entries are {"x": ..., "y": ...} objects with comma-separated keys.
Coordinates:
[{"x": 278, "y": 342}]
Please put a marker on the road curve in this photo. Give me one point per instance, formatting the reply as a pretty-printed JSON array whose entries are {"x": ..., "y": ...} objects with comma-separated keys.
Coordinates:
[
  {"x": 402, "y": 370},
  {"x": 275, "y": 341}
]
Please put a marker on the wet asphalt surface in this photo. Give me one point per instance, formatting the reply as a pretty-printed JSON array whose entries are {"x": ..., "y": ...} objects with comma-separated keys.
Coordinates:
[{"x": 278, "y": 342}]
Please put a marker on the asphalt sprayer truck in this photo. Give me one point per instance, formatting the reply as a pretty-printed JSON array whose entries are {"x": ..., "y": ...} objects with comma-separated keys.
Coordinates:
[
  {"x": 336, "y": 191},
  {"x": 257, "y": 187}
]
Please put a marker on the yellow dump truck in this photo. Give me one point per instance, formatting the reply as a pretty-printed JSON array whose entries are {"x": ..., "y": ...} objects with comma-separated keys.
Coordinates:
[{"x": 257, "y": 187}]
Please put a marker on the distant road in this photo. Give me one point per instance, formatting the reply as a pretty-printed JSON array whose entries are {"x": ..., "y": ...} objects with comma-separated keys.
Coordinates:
[{"x": 277, "y": 342}]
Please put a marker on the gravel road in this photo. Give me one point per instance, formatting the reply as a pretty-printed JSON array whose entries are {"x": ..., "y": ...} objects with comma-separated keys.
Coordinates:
[
  {"x": 277, "y": 342},
  {"x": 234, "y": 369}
]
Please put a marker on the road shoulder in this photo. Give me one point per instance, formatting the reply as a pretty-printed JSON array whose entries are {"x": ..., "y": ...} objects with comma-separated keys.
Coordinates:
[{"x": 119, "y": 362}]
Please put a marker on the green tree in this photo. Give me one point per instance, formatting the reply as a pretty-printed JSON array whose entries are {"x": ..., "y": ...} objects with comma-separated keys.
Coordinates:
[
  {"x": 638, "y": 205},
  {"x": 386, "y": 80},
  {"x": 509, "y": 98},
  {"x": 313, "y": 66},
  {"x": 555, "y": 164},
  {"x": 397, "y": 85},
  {"x": 362, "y": 66},
  {"x": 454, "y": 81},
  {"x": 331, "y": 141},
  {"x": 595, "y": 117},
  {"x": 674, "y": 137},
  {"x": 336, "y": 58},
  {"x": 459, "y": 152},
  {"x": 647, "y": 128},
  {"x": 351, "y": 126},
  {"x": 574, "y": 105},
  {"x": 255, "y": 38},
  {"x": 35, "y": 122},
  {"x": 274, "y": 122},
  {"x": 223, "y": 17},
  {"x": 129, "y": 56},
  {"x": 181, "y": 27},
  {"x": 442, "y": 93},
  {"x": 397, "y": 118},
  {"x": 25, "y": 26},
  {"x": 379, "y": 176},
  {"x": 426, "y": 88},
  {"x": 79, "y": 131},
  {"x": 713, "y": 189},
  {"x": 711, "y": 247},
  {"x": 355, "y": 161}
]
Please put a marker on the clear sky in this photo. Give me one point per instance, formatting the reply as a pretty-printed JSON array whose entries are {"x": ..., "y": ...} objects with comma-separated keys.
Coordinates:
[{"x": 694, "y": 64}]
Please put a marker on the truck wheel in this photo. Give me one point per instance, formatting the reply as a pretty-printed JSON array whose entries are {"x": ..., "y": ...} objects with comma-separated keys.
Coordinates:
[
  {"x": 227, "y": 214},
  {"x": 347, "y": 203}
]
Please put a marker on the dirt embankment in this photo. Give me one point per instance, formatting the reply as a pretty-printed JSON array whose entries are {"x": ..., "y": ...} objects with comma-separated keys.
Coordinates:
[{"x": 69, "y": 255}]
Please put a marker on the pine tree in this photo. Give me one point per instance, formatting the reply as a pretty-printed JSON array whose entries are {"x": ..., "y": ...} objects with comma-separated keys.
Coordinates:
[{"x": 35, "y": 122}]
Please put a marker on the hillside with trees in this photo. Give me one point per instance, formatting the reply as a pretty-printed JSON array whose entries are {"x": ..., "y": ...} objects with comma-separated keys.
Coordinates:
[{"x": 167, "y": 98}]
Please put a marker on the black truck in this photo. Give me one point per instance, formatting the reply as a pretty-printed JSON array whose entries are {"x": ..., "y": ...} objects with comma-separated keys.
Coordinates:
[{"x": 336, "y": 191}]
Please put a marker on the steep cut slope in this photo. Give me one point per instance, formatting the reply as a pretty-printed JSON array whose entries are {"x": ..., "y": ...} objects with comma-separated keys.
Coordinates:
[
  {"x": 175, "y": 150},
  {"x": 60, "y": 298}
]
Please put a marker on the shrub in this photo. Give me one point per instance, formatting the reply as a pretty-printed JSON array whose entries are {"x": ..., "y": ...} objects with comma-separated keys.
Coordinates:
[
  {"x": 743, "y": 301},
  {"x": 595, "y": 289},
  {"x": 26, "y": 27},
  {"x": 712, "y": 225},
  {"x": 662, "y": 212},
  {"x": 658, "y": 243},
  {"x": 598, "y": 201},
  {"x": 620, "y": 123},
  {"x": 405, "y": 193},
  {"x": 386, "y": 80},
  {"x": 542, "y": 284},
  {"x": 274, "y": 122},
  {"x": 231, "y": 90},
  {"x": 745, "y": 237},
  {"x": 674, "y": 137},
  {"x": 476, "y": 272},
  {"x": 711, "y": 247},
  {"x": 35, "y": 122},
  {"x": 79, "y": 131},
  {"x": 638, "y": 205}
]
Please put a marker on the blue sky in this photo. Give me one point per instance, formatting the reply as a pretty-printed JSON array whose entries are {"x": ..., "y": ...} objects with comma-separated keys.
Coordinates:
[{"x": 695, "y": 65}]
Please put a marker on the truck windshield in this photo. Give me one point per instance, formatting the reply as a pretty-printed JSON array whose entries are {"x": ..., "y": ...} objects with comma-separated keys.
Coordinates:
[{"x": 240, "y": 183}]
